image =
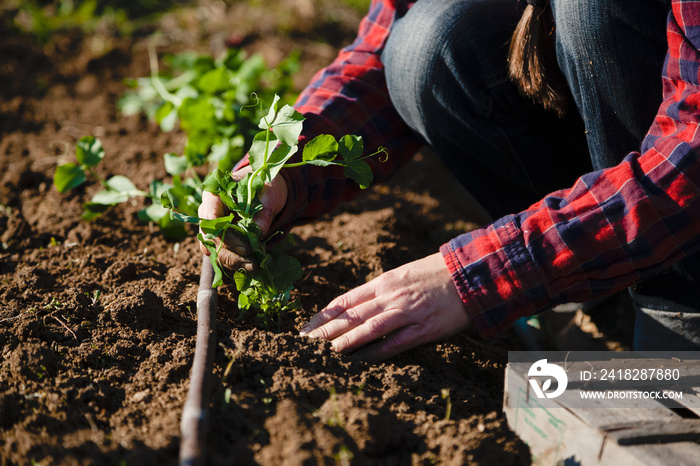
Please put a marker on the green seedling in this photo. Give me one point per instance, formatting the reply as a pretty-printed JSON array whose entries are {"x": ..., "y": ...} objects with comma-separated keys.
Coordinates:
[
  {"x": 94, "y": 297},
  {"x": 268, "y": 290},
  {"x": 344, "y": 456},
  {"x": 89, "y": 153},
  {"x": 358, "y": 390},
  {"x": 204, "y": 99},
  {"x": 445, "y": 393}
]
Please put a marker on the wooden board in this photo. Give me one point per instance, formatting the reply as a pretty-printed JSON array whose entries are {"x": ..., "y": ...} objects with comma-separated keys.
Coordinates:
[{"x": 559, "y": 432}]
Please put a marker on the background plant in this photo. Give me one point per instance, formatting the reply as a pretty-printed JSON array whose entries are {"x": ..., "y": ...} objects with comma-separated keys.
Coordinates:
[
  {"x": 213, "y": 102},
  {"x": 43, "y": 18}
]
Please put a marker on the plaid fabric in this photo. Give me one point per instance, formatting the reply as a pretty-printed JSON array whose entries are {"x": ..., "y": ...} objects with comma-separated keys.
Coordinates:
[
  {"x": 349, "y": 97},
  {"x": 612, "y": 228}
]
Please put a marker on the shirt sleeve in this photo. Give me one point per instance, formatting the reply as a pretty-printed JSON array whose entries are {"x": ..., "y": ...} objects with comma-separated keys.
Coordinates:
[
  {"x": 612, "y": 228},
  {"x": 349, "y": 96}
]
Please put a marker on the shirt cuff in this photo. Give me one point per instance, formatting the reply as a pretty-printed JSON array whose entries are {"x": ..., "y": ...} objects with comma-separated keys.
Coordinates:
[{"x": 496, "y": 276}]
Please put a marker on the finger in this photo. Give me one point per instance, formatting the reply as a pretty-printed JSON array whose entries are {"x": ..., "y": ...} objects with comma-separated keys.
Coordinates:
[
  {"x": 376, "y": 327},
  {"x": 204, "y": 249},
  {"x": 264, "y": 218},
  {"x": 347, "y": 320},
  {"x": 236, "y": 244},
  {"x": 239, "y": 174},
  {"x": 319, "y": 319},
  {"x": 211, "y": 206},
  {"x": 273, "y": 198},
  {"x": 352, "y": 298},
  {"x": 401, "y": 340},
  {"x": 231, "y": 261}
]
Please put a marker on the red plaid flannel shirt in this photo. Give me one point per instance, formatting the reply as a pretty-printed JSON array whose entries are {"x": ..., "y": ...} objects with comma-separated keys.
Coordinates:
[{"x": 612, "y": 228}]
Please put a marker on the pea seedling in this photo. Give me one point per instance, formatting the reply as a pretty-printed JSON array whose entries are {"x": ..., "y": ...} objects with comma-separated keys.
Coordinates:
[{"x": 268, "y": 290}]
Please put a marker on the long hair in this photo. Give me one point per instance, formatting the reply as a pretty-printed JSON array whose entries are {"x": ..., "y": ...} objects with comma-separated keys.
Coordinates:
[{"x": 532, "y": 62}]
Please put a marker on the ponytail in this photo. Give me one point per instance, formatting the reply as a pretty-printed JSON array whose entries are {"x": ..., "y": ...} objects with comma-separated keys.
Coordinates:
[{"x": 532, "y": 62}]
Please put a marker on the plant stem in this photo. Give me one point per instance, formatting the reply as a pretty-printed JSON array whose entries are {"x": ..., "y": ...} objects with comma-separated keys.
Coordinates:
[
  {"x": 195, "y": 176},
  {"x": 300, "y": 164},
  {"x": 98, "y": 177},
  {"x": 257, "y": 172},
  {"x": 156, "y": 82}
]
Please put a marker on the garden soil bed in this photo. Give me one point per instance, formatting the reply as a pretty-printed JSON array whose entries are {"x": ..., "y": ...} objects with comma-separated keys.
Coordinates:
[{"x": 97, "y": 320}]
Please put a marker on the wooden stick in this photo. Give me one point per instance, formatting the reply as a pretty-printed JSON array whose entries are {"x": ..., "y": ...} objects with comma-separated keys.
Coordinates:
[
  {"x": 66, "y": 327},
  {"x": 195, "y": 414}
]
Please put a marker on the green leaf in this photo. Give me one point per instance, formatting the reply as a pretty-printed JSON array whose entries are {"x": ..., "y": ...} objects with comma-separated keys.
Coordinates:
[
  {"x": 172, "y": 228},
  {"x": 130, "y": 104},
  {"x": 242, "y": 189},
  {"x": 124, "y": 185},
  {"x": 359, "y": 171},
  {"x": 220, "y": 151},
  {"x": 243, "y": 302},
  {"x": 242, "y": 280},
  {"x": 89, "y": 151},
  {"x": 202, "y": 64},
  {"x": 68, "y": 176},
  {"x": 322, "y": 163},
  {"x": 268, "y": 120},
  {"x": 350, "y": 147},
  {"x": 278, "y": 158},
  {"x": 168, "y": 200},
  {"x": 213, "y": 258},
  {"x": 233, "y": 59},
  {"x": 260, "y": 143},
  {"x": 153, "y": 213},
  {"x": 175, "y": 164},
  {"x": 196, "y": 113},
  {"x": 216, "y": 225},
  {"x": 183, "y": 217},
  {"x": 323, "y": 147},
  {"x": 216, "y": 80},
  {"x": 109, "y": 197},
  {"x": 166, "y": 117},
  {"x": 157, "y": 187},
  {"x": 181, "y": 61},
  {"x": 287, "y": 271},
  {"x": 91, "y": 210},
  {"x": 214, "y": 181},
  {"x": 288, "y": 125},
  {"x": 186, "y": 92}
]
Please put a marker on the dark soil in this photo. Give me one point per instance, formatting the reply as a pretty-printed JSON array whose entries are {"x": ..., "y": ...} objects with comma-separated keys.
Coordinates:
[{"x": 97, "y": 320}]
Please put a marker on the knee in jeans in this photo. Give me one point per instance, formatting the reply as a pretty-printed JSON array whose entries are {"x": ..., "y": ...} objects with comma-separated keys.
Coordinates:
[
  {"x": 425, "y": 43},
  {"x": 415, "y": 42},
  {"x": 582, "y": 27}
]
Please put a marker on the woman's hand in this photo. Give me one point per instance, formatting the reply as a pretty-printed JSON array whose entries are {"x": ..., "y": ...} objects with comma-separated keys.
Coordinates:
[
  {"x": 413, "y": 304},
  {"x": 236, "y": 252}
]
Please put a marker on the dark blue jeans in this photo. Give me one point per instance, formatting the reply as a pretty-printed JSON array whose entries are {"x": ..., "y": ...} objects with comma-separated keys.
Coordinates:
[{"x": 446, "y": 71}]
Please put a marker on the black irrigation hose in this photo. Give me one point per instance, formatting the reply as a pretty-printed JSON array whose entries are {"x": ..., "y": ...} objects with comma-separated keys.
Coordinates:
[{"x": 195, "y": 414}]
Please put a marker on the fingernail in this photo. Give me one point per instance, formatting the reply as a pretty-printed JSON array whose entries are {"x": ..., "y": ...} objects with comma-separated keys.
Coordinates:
[
  {"x": 240, "y": 251},
  {"x": 304, "y": 329}
]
